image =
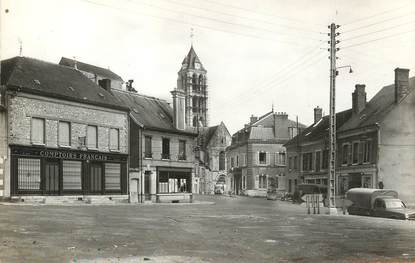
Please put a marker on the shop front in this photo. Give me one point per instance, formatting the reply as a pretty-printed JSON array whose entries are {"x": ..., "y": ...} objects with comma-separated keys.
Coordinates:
[
  {"x": 46, "y": 171},
  {"x": 174, "y": 184}
]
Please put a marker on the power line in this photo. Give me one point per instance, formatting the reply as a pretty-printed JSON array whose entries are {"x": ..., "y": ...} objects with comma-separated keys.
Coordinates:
[
  {"x": 194, "y": 24},
  {"x": 301, "y": 29},
  {"x": 379, "y": 22},
  {"x": 377, "y": 31},
  {"x": 212, "y": 19},
  {"x": 377, "y": 39},
  {"x": 375, "y": 15},
  {"x": 308, "y": 53},
  {"x": 260, "y": 13},
  {"x": 287, "y": 76}
]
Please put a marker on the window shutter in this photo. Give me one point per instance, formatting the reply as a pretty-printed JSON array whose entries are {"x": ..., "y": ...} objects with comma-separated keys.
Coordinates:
[
  {"x": 268, "y": 158},
  {"x": 360, "y": 152},
  {"x": 256, "y": 181}
]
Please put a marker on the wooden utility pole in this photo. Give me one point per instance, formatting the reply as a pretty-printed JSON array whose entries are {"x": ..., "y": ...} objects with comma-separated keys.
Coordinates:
[{"x": 331, "y": 189}]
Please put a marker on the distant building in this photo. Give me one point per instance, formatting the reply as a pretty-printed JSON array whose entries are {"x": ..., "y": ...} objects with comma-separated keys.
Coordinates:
[
  {"x": 211, "y": 165},
  {"x": 257, "y": 158},
  {"x": 61, "y": 133},
  {"x": 101, "y": 76},
  {"x": 375, "y": 142}
]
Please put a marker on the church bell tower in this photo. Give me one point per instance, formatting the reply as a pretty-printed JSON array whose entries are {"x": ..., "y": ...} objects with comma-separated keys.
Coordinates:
[{"x": 192, "y": 82}]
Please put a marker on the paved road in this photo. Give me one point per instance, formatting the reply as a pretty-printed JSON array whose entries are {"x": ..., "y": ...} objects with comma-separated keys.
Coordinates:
[{"x": 232, "y": 230}]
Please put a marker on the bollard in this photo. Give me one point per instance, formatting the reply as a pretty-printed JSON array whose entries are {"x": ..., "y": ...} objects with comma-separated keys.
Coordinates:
[{"x": 318, "y": 203}]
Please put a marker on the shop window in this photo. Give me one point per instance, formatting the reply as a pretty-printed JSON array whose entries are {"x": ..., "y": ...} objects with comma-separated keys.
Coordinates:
[
  {"x": 92, "y": 137},
  {"x": 28, "y": 174},
  {"x": 147, "y": 147},
  {"x": 182, "y": 150},
  {"x": 171, "y": 182},
  {"x": 262, "y": 157},
  {"x": 165, "y": 149},
  {"x": 345, "y": 154},
  {"x": 262, "y": 181},
  {"x": 355, "y": 156},
  {"x": 317, "y": 164},
  {"x": 38, "y": 131},
  {"x": 114, "y": 139},
  {"x": 112, "y": 176},
  {"x": 64, "y": 133},
  {"x": 72, "y": 175},
  {"x": 222, "y": 161}
]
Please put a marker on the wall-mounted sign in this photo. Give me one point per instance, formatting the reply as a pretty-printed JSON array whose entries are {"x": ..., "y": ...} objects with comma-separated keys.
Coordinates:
[{"x": 66, "y": 154}]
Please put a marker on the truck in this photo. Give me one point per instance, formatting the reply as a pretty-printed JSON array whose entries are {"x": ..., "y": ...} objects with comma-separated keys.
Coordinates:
[{"x": 379, "y": 203}]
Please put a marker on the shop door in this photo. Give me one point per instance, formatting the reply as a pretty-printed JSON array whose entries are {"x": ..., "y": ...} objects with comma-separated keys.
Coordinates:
[
  {"x": 147, "y": 185},
  {"x": 95, "y": 178},
  {"x": 52, "y": 177}
]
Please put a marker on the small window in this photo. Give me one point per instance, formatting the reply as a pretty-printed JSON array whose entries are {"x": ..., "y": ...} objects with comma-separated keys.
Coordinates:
[
  {"x": 92, "y": 137},
  {"x": 317, "y": 164},
  {"x": 222, "y": 161},
  {"x": 355, "y": 153},
  {"x": 345, "y": 154},
  {"x": 182, "y": 150},
  {"x": 64, "y": 133},
  {"x": 38, "y": 131},
  {"x": 114, "y": 139},
  {"x": 165, "y": 150},
  {"x": 147, "y": 147},
  {"x": 262, "y": 157}
]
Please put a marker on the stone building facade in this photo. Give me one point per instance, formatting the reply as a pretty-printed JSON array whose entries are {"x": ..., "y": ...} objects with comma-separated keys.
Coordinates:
[
  {"x": 65, "y": 134},
  {"x": 374, "y": 142},
  {"x": 161, "y": 155},
  {"x": 211, "y": 166},
  {"x": 257, "y": 158}
]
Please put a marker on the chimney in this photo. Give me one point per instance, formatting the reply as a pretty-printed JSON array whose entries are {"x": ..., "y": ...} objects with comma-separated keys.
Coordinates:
[
  {"x": 253, "y": 119},
  {"x": 359, "y": 98},
  {"x": 318, "y": 114},
  {"x": 179, "y": 109},
  {"x": 129, "y": 86},
  {"x": 105, "y": 84},
  {"x": 401, "y": 83}
]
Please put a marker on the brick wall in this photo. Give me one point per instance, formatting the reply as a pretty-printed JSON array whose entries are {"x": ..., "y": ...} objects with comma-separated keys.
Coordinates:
[{"x": 23, "y": 107}]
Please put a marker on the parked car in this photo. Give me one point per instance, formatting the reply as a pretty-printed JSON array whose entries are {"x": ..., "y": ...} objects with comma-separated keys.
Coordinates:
[
  {"x": 274, "y": 194},
  {"x": 378, "y": 202},
  {"x": 219, "y": 189}
]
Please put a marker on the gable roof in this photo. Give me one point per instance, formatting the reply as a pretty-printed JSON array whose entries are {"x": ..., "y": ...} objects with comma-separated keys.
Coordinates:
[
  {"x": 191, "y": 59},
  {"x": 261, "y": 133},
  {"x": 208, "y": 134},
  {"x": 148, "y": 112},
  {"x": 377, "y": 108},
  {"x": 48, "y": 79},
  {"x": 89, "y": 68},
  {"x": 320, "y": 129}
]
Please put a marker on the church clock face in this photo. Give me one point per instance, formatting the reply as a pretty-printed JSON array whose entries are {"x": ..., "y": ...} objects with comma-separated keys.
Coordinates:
[{"x": 197, "y": 66}]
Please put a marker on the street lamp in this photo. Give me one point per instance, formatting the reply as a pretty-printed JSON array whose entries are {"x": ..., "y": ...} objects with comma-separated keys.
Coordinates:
[{"x": 348, "y": 66}]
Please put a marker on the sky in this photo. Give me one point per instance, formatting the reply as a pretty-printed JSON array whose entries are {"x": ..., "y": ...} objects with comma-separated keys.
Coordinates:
[{"x": 260, "y": 55}]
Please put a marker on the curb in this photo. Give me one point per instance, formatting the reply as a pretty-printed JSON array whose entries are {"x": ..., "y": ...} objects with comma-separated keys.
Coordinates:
[{"x": 106, "y": 204}]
